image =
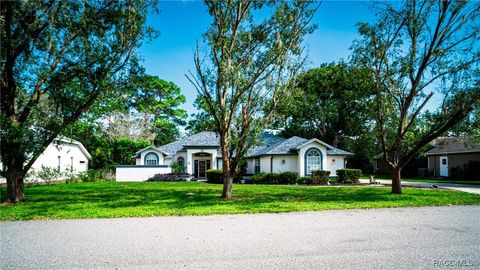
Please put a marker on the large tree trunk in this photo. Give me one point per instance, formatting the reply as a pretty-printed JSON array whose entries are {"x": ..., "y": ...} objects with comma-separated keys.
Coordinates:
[
  {"x": 227, "y": 173},
  {"x": 396, "y": 180},
  {"x": 15, "y": 191}
]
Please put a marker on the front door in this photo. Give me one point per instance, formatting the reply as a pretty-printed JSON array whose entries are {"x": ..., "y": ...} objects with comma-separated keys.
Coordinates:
[
  {"x": 444, "y": 166},
  {"x": 201, "y": 167}
]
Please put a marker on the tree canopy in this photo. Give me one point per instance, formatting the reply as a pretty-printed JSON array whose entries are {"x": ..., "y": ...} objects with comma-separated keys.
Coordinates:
[
  {"x": 249, "y": 62},
  {"x": 419, "y": 51},
  {"x": 58, "y": 57}
]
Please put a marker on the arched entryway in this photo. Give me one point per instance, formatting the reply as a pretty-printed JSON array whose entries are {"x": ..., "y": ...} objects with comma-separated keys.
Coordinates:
[{"x": 202, "y": 162}]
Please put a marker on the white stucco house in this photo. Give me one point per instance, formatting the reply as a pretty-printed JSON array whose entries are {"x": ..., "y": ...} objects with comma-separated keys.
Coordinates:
[
  {"x": 200, "y": 152},
  {"x": 63, "y": 154}
]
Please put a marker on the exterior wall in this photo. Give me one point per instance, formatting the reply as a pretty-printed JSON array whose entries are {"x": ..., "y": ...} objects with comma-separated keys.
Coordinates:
[
  {"x": 136, "y": 173},
  {"x": 380, "y": 166},
  {"x": 454, "y": 160},
  {"x": 71, "y": 158},
  {"x": 167, "y": 161},
  {"x": 334, "y": 166},
  {"x": 301, "y": 157},
  {"x": 284, "y": 163},
  {"x": 141, "y": 160}
]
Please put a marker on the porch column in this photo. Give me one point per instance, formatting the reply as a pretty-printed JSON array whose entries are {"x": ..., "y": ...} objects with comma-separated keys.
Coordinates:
[
  {"x": 214, "y": 160},
  {"x": 189, "y": 162}
]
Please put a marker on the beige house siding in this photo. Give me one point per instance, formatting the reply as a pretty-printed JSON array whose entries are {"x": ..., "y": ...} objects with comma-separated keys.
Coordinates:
[{"x": 454, "y": 160}]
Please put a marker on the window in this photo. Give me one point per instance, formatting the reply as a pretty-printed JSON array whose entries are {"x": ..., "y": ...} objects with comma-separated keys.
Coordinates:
[
  {"x": 257, "y": 165},
  {"x": 59, "y": 163},
  {"x": 444, "y": 161},
  {"x": 151, "y": 159},
  {"x": 71, "y": 164},
  {"x": 313, "y": 160},
  {"x": 181, "y": 161}
]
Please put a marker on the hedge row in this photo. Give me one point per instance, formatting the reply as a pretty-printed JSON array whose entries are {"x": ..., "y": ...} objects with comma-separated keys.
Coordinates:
[
  {"x": 320, "y": 177},
  {"x": 284, "y": 178},
  {"x": 215, "y": 176}
]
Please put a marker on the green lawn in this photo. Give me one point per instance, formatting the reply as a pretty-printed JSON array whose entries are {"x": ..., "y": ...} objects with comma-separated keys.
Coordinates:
[
  {"x": 429, "y": 180},
  {"x": 111, "y": 199}
]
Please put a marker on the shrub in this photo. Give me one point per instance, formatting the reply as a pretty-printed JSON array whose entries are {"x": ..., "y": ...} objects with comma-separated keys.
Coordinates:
[
  {"x": 284, "y": 178},
  {"x": 258, "y": 178},
  {"x": 304, "y": 180},
  {"x": 168, "y": 177},
  {"x": 349, "y": 175},
  {"x": 270, "y": 179},
  {"x": 48, "y": 174},
  {"x": 287, "y": 178},
  {"x": 215, "y": 176},
  {"x": 320, "y": 177}
]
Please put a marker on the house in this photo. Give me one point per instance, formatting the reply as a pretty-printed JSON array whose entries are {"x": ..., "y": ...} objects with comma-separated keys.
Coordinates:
[
  {"x": 454, "y": 157},
  {"x": 417, "y": 166},
  {"x": 63, "y": 154},
  {"x": 200, "y": 152}
]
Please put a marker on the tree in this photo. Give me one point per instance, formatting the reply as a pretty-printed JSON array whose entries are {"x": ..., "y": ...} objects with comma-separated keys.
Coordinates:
[
  {"x": 419, "y": 51},
  {"x": 158, "y": 100},
  {"x": 343, "y": 100},
  {"x": 58, "y": 57},
  {"x": 201, "y": 120},
  {"x": 250, "y": 65}
]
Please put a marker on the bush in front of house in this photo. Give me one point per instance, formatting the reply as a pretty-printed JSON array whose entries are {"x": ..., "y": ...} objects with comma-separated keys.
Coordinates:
[
  {"x": 349, "y": 176},
  {"x": 284, "y": 178},
  {"x": 287, "y": 178},
  {"x": 304, "y": 180},
  {"x": 258, "y": 178},
  {"x": 168, "y": 177},
  {"x": 215, "y": 176},
  {"x": 320, "y": 177}
]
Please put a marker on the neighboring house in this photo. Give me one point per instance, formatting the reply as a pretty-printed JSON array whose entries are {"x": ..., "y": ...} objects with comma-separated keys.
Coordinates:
[
  {"x": 200, "y": 152},
  {"x": 64, "y": 155},
  {"x": 415, "y": 167},
  {"x": 454, "y": 157}
]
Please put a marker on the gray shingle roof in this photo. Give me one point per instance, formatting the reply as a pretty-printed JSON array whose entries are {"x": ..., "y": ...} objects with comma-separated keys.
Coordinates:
[
  {"x": 205, "y": 139},
  {"x": 269, "y": 145},
  {"x": 447, "y": 145},
  {"x": 336, "y": 151},
  {"x": 274, "y": 145}
]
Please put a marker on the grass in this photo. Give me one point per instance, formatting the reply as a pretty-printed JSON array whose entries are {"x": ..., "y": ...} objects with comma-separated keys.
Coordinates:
[
  {"x": 111, "y": 199},
  {"x": 474, "y": 182}
]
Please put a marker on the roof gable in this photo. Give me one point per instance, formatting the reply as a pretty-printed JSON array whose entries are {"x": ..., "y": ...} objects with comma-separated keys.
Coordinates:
[
  {"x": 274, "y": 145},
  {"x": 202, "y": 139}
]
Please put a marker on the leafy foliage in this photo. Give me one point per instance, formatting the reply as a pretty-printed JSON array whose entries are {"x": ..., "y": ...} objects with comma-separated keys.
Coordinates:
[
  {"x": 320, "y": 177},
  {"x": 58, "y": 57},
  {"x": 349, "y": 175},
  {"x": 417, "y": 51},
  {"x": 335, "y": 103},
  {"x": 215, "y": 176},
  {"x": 250, "y": 61}
]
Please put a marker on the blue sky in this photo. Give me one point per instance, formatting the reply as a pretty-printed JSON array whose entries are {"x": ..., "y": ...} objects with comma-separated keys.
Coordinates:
[{"x": 181, "y": 24}]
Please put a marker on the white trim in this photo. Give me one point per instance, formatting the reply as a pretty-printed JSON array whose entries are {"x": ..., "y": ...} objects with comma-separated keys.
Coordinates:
[
  {"x": 80, "y": 145},
  {"x": 317, "y": 141},
  {"x": 148, "y": 147}
]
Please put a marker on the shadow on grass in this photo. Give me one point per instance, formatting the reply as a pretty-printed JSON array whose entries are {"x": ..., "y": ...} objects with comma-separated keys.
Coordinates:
[{"x": 146, "y": 199}]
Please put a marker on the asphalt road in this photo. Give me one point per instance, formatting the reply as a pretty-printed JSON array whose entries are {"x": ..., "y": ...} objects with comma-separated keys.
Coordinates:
[{"x": 401, "y": 238}]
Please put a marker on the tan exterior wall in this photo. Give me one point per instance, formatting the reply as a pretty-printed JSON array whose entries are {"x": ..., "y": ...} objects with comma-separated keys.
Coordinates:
[{"x": 454, "y": 160}]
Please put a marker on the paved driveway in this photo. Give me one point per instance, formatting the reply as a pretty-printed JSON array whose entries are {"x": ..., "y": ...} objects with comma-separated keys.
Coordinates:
[
  {"x": 461, "y": 187},
  {"x": 397, "y": 238}
]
